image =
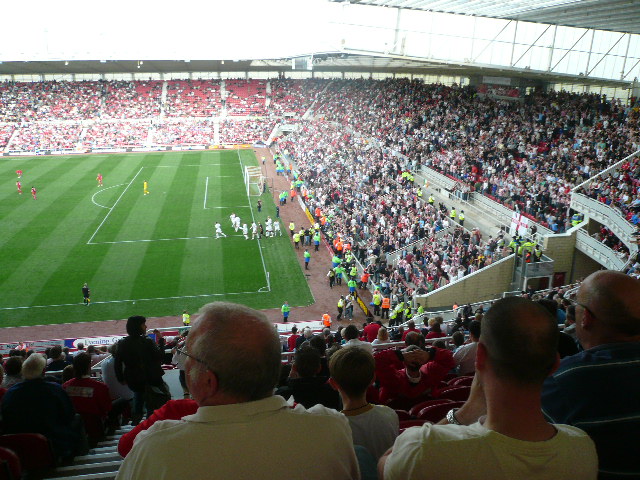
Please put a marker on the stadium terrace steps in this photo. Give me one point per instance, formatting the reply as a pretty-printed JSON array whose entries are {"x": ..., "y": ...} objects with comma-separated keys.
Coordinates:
[{"x": 101, "y": 462}]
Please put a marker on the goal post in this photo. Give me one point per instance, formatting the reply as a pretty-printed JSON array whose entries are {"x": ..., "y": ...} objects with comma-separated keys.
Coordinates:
[{"x": 254, "y": 181}]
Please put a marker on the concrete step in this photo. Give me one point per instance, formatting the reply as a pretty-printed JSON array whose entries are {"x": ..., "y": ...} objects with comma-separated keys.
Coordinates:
[
  {"x": 89, "y": 476},
  {"x": 86, "y": 469},
  {"x": 97, "y": 458}
]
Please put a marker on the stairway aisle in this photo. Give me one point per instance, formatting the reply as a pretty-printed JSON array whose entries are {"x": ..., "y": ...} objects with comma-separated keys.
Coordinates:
[{"x": 101, "y": 462}]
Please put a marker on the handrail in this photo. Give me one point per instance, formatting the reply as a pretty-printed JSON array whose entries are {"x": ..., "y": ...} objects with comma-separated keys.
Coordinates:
[
  {"x": 612, "y": 216},
  {"x": 615, "y": 166},
  {"x": 598, "y": 251}
]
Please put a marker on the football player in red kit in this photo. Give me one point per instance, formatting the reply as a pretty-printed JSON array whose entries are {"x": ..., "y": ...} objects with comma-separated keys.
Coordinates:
[
  {"x": 19, "y": 173},
  {"x": 99, "y": 179},
  {"x": 34, "y": 193},
  {"x": 19, "y": 185}
]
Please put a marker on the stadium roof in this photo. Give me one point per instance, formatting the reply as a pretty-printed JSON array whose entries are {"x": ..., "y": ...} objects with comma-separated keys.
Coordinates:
[
  {"x": 615, "y": 15},
  {"x": 321, "y": 63}
]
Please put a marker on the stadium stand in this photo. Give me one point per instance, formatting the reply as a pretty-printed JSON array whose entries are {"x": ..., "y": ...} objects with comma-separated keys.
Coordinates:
[
  {"x": 245, "y": 131},
  {"x": 33, "y": 137},
  {"x": 184, "y": 133},
  {"x": 5, "y": 134},
  {"x": 246, "y": 97},
  {"x": 193, "y": 98},
  {"x": 53, "y": 100},
  {"x": 118, "y": 134},
  {"x": 294, "y": 96},
  {"x": 131, "y": 99}
]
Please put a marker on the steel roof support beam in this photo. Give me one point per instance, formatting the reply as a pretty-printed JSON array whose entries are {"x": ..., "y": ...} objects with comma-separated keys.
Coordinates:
[
  {"x": 605, "y": 55},
  {"x": 492, "y": 40},
  {"x": 570, "y": 49},
  {"x": 532, "y": 45}
]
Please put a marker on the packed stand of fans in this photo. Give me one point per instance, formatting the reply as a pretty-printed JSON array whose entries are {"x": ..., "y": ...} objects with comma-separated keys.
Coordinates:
[
  {"x": 193, "y": 98},
  {"x": 528, "y": 155},
  {"x": 294, "y": 96},
  {"x": 245, "y": 131},
  {"x": 246, "y": 97},
  {"x": 116, "y": 134},
  {"x": 366, "y": 198},
  {"x": 34, "y": 137},
  {"x": 28, "y": 102},
  {"x": 5, "y": 134},
  {"x": 619, "y": 189},
  {"x": 131, "y": 99},
  {"x": 184, "y": 133}
]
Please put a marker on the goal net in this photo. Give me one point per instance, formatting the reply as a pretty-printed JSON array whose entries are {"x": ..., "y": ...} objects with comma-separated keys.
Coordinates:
[{"x": 254, "y": 180}]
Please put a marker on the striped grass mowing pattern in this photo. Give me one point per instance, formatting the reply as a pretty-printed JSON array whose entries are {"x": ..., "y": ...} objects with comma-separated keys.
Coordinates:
[{"x": 158, "y": 250}]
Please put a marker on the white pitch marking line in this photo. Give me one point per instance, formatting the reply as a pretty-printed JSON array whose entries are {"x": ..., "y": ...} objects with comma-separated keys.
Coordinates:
[
  {"x": 206, "y": 192},
  {"x": 264, "y": 266},
  {"x": 113, "y": 206},
  {"x": 103, "y": 190},
  {"x": 160, "y": 240},
  {"x": 238, "y": 206},
  {"x": 128, "y": 301}
]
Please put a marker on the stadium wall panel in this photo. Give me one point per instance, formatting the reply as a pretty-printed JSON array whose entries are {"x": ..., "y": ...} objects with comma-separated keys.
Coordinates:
[{"x": 485, "y": 284}]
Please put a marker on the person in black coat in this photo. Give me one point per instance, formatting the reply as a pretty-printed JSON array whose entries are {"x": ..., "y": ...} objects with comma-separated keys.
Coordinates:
[{"x": 138, "y": 365}]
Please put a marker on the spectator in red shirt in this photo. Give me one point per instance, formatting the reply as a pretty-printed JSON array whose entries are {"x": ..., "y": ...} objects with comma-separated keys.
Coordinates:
[
  {"x": 91, "y": 397},
  {"x": 291, "y": 341},
  {"x": 371, "y": 330},
  {"x": 434, "y": 329},
  {"x": 411, "y": 327},
  {"x": 172, "y": 410}
]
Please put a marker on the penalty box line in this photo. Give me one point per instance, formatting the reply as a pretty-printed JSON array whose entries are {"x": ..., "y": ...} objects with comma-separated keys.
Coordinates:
[
  {"x": 160, "y": 240},
  {"x": 90, "y": 241}
]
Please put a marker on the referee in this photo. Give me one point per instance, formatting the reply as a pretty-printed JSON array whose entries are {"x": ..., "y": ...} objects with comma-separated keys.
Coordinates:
[{"x": 86, "y": 293}]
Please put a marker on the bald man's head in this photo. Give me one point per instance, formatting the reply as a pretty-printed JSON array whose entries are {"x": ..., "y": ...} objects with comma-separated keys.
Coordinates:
[
  {"x": 613, "y": 301},
  {"x": 521, "y": 340}
]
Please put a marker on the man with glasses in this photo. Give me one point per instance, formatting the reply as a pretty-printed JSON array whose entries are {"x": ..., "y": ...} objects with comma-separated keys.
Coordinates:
[
  {"x": 241, "y": 430},
  {"x": 500, "y": 431},
  {"x": 598, "y": 390}
]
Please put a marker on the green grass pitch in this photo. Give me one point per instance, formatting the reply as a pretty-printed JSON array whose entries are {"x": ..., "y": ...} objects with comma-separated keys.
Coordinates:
[{"x": 157, "y": 250}]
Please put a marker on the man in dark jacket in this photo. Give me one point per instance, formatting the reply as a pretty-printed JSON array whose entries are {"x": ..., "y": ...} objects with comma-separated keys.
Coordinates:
[{"x": 138, "y": 365}]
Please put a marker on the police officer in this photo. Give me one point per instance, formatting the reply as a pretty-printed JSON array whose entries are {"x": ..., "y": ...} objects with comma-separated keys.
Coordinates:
[{"x": 461, "y": 218}]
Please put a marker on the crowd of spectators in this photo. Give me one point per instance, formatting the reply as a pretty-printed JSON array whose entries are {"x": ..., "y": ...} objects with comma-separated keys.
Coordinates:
[
  {"x": 198, "y": 132},
  {"x": 5, "y": 134},
  {"x": 193, "y": 98},
  {"x": 246, "y": 131},
  {"x": 290, "y": 96},
  {"x": 246, "y": 97},
  {"x": 131, "y": 99},
  {"x": 116, "y": 134},
  {"x": 527, "y": 154},
  {"x": 366, "y": 405},
  {"x": 32, "y": 137},
  {"x": 21, "y": 101},
  {"x": 359, "y": 193},
  {"x": 619, "y": 189}
]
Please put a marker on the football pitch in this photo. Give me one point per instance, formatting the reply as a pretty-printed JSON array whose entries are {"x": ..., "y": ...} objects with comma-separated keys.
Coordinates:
[{"x": 151, "y": 255}]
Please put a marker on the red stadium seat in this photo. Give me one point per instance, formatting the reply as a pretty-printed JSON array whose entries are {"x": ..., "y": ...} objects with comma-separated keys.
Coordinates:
[
  {"x": 461, "y": 381},
  {"x": 419, "y": 406},
  {"x": 455, "y": 393},
  {"x": 10, "y": 466},
  {"x": 33, "y": 450},
  {"x": 435, "y": 413},
  {"x": 403, "y": 415},
  {"x": 404, "y": 403}
]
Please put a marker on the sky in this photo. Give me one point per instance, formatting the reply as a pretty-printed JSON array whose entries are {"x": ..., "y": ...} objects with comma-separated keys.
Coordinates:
[{"x": 164, "y": 30}]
